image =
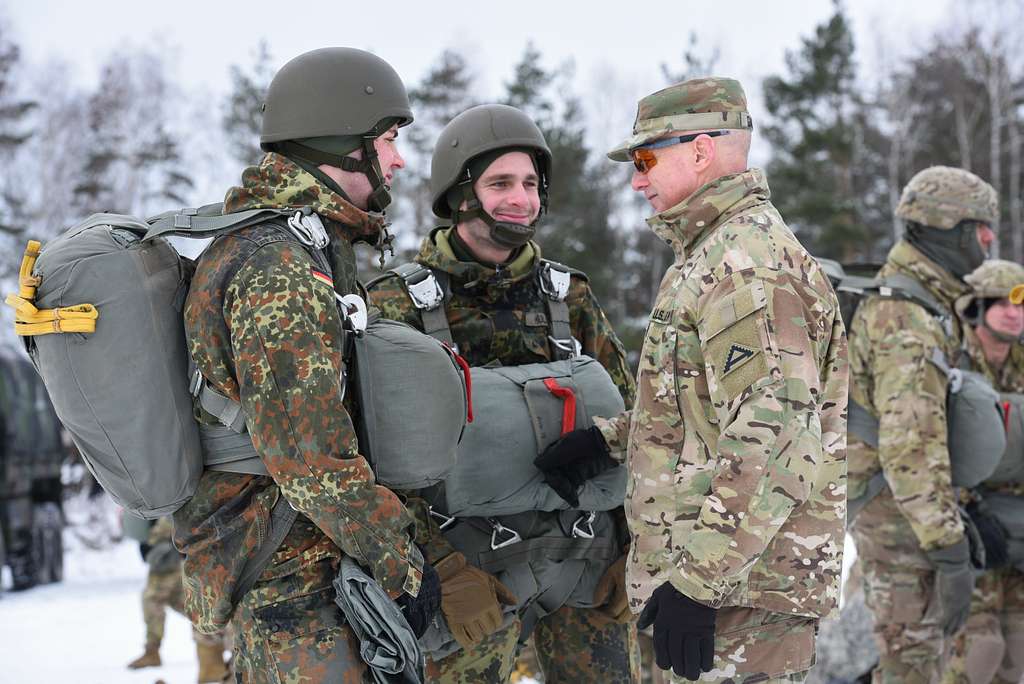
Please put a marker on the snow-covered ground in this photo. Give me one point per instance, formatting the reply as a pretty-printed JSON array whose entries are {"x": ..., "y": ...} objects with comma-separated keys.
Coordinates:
[{"x": 86, "y": 628}]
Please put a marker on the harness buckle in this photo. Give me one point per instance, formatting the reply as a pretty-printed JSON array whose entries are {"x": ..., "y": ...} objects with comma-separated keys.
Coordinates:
[
  {"x": 353, "y": 312},
  {"x": 446, "y": 520},
  {"x": 308, "y": 229},
  {"x": 425, "y": 293},
  {"x": 554, "y": 282},
  {"x": 497, "y": 529},
  {"x": 570, "y": 346},
  {"x": 195, "y": 385},
  {"x": 586, "y": 519}
]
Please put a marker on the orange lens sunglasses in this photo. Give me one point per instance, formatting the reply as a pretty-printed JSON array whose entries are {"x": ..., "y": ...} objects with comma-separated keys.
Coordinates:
[{"x": 644, "y": 158}]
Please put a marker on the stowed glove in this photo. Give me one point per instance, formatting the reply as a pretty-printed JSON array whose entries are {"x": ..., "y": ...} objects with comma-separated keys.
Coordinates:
[
  {"x": 954, "y": 582},
  {"x": 419, "y": 610},
  {"x": 610, "y": 596},
  {"x": 573, "y": 459},
  {"x": 471, "y": 600},
  {"x": 993, "y": 536},
  {"x": 684, "y": 632}
]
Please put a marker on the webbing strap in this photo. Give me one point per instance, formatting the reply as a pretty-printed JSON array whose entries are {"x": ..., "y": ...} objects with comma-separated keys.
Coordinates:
[
  {"x": 282, "y": 517},
  {"x": 428, "y": 290},
  {"x": 226, "y": 410},
  {"x": 208, "y": 221},
  {"x": 228, "y": 451},
  {"x": 854, "y": 506},
  {"x": 861, "y": 424},
  {"x": 554, "y": 284}
]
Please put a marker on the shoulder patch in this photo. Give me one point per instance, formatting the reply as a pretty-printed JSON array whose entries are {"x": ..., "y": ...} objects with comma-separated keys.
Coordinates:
[{"x": 737, "y": 355}]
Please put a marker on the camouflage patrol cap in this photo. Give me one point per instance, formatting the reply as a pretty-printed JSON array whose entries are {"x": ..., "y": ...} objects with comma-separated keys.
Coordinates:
[
  {"x": 943, "y": 196},
  {"x": 996, "y": 279},
  {"x": 696, "y": 105}
]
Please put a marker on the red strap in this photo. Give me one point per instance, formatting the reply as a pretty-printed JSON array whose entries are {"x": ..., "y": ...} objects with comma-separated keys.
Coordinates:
[
  {"x": 568, "y": 407},
  {"x": 469, "y": 384},
  {"x": 1006, "y": 416}
]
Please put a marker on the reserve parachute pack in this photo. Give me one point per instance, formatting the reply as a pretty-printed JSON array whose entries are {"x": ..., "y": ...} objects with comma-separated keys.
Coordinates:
[
  {"x": 976, "y": 424},
  {"x": 100, "y": 311},
  {"x": 494, "y": 506}
]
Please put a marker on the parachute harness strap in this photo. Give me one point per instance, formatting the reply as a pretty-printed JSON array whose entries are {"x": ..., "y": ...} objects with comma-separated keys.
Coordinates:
[{"x": 29, "y": 320}]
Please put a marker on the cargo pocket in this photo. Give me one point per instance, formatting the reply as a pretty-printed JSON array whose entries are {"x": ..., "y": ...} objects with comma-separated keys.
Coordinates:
[
  {"x": 307, "y": 635},
  {"x": 735, "y": 336}
]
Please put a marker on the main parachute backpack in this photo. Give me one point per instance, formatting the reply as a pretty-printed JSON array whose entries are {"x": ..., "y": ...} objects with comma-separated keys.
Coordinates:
[{"x": 100, "y": 311}]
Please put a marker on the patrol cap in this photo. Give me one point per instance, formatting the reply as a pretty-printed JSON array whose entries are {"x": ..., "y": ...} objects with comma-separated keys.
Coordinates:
[
  {"x": 696, "y": 105},
  {"x": 943, "y": 196}
]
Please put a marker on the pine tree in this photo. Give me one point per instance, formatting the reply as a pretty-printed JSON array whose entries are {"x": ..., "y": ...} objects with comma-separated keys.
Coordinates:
[
  {"x": 822, "y": 172},
  {"x": 14, "y": 132},
  {"x": 243, "y": 108}
]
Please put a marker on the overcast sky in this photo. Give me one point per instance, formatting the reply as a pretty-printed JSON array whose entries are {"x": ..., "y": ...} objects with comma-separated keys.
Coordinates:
[{"x": 204, "y": 37}]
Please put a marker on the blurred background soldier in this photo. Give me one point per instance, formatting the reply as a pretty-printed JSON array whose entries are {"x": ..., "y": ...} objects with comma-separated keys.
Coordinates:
[
  {"x": 991, "y": 646},
  {"x": 911, "y": 542},
  {"x": 164, "y": 590}
]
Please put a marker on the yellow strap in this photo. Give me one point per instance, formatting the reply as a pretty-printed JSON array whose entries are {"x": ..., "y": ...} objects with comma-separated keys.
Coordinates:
[
  {"x": 28, "y": 282},
  {"x": 29, "y": 320}
]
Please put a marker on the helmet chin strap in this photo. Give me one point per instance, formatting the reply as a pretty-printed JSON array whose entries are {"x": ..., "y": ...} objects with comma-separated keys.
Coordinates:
[
  {"x": 369, "y": 166},
  {"x": 506, "y": 234}
]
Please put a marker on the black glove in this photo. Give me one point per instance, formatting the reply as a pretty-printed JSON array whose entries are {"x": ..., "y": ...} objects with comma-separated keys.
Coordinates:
[
  {"x": 954, "y": 582},
  {"x": 573, "y": 459},
  {"x": 420, "y": 610},
  {"x": 144, "y": 549},
  {"x": 993, "y": 536},
  {"x": 684, "y": 632}
]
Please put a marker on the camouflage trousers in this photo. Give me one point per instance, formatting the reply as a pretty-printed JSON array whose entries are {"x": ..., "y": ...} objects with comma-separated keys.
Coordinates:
[
  {"x": 165, "y": 590},
  {"x": 573, "y": 646},
  {"x": 288, "y": 629},
  {"x": 755, "y": 646},
  {"x": 991, "y": 647}
]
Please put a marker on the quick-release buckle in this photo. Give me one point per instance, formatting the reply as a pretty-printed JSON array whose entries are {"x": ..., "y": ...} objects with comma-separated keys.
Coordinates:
[
  {"x": 446, "y": 520},
  {"x": 570, "y": 346},
  {"x": 353, "y": 312},
  {"x": 498, "y": 529},
  {"x": 308, "y": 229},
  {"x": 587, "y": 519},
  {"x": 426, "y": 293},
  {"x": 554, "y": 282}
]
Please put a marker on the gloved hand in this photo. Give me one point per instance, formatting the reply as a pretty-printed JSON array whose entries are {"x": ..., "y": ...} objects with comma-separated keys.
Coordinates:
[
  {"x": 471, "y": 600},
  {"x": 144, "y": 550},
  {"x": 420, "y": 609},
  {"x": 954, "y": 582},
  {"x": 684, "y": 632},
  {"x": 993, "y": 536},
  {"x": 573, "y": 459},
  {"x": 610, "y": 596}
]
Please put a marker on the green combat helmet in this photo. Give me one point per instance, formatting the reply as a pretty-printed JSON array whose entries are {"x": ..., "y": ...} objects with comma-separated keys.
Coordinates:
[
  {"x": 471, "y": 136},
  {"x": 994, "y": 280},
  {"x": 324, "y": 104},
  {"x": 942, "y": 207}
]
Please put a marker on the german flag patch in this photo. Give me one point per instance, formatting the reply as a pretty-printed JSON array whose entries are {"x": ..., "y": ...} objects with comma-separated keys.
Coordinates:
[{"x": 322, "y": 277}]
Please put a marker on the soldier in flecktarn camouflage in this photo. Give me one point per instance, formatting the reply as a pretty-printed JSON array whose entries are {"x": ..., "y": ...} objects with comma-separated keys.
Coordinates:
[
  {"x": 910, "y": 538},
  {"x": 991, "y": 646},
  {"x": 736, "y": 445},
  {"x": 264, "y": 330},
  {"x": 489, "y": 177}
]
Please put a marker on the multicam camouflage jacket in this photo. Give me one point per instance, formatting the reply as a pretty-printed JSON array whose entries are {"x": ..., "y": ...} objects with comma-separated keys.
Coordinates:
[
  {"x": 501, "y": 315},
  {"x": 736, "y": 445},
  {"x": 891, "y": 341},
  {"x": 263, "y": 328}
]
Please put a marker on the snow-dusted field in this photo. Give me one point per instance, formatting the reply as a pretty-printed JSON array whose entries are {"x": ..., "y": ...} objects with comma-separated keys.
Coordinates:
[{"x": 86, "y": 628}]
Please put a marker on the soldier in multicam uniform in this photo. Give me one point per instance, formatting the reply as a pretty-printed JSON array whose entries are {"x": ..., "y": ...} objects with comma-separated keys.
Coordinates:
[
  {"x": 265, "y": 331},
  {"x": 489, "y": 178},
  {"x": 910, "y": 538},
  {"x": 991, "y": 646},
  {"x": 736, "y": 445},
  {"x": 164, "y": 590}
]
